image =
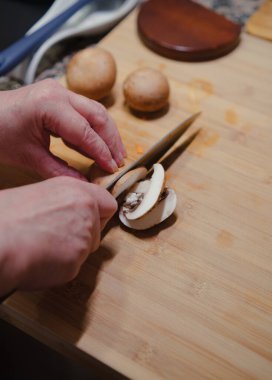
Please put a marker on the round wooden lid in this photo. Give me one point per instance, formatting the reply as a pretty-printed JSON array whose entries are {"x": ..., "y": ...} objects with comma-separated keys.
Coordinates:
[{"x": 186, "y": 31}]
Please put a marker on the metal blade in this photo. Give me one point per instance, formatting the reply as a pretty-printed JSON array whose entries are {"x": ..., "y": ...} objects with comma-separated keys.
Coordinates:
[{"x": 155, "y": 152}]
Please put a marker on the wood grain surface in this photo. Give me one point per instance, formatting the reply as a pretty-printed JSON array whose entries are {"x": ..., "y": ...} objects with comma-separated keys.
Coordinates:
[{"x": 191, "y": 298}]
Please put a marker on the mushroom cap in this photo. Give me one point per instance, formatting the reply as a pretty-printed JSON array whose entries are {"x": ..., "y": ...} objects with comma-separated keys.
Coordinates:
[
  {"x": 91, "y": 72},
  {"x": 146, "y": 90}
]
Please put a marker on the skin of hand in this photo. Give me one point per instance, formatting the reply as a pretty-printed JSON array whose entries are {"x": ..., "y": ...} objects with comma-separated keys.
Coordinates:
[
  {"x": 44, "y": 243},
  {"x": 48, "y": 229},
  {"x": 31, "y": 114}
]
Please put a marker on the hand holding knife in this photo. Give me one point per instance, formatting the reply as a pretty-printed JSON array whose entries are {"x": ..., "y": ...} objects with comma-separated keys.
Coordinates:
[{"x": 152, "y": 155}]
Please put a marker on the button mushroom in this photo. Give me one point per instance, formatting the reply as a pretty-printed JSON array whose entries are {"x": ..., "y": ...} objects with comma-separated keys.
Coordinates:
[
  {"x": 91, "y": 72},
  {"x": 146, "y": 90},
  {"x": 152, "y": 194},
  {"x": 148, "y": 202}
]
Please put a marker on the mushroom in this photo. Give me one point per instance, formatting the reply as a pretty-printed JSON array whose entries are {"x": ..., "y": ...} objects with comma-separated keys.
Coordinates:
[
  {"x": 152, "y": 194},
  {"x": 128, "y": 180},
  {"x": 100, "y": 177},
  {"x": 146, "y": 90},
  {"x": 161, "y": 211},
  {"x": 147, "y": 201},
  {"x": 91, "y": 72}
]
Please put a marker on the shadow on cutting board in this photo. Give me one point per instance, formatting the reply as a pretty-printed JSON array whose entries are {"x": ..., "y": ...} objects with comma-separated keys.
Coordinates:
[{"x": 24, "y": 358}]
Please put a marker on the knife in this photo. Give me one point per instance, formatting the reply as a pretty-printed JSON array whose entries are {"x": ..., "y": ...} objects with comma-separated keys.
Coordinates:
[{"x": 157, "y": 151}]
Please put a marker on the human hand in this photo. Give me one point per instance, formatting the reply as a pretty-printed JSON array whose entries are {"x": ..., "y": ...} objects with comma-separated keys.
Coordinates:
[
  {"x": 48, "y": 229},
  {"x": 31, "y": 114}
]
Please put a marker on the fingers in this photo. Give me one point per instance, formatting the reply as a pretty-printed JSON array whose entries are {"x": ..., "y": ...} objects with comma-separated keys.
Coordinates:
[
  {"x": 107, "y": 204},
  {"x": 48, "y": 165},
  {"x": 83, "y": 124},
  {"x": 67, "y": 123},
  {"x": 94, "y": 228},
  {"x": 102, "y": 124}
]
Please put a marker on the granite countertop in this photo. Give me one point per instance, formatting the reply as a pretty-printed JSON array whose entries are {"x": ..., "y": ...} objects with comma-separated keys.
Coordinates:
[
  {"x": 55, "y": 60},
  {"x": 236, "y": 10}
]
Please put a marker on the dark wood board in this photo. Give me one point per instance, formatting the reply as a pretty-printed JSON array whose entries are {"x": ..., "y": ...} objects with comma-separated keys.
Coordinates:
[{"x": 186, "y": 31}]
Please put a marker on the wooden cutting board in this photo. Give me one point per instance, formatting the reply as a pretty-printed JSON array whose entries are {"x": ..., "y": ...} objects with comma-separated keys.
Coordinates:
[
  {"x": 191, "y": 298},
  {"x": 260, "y": 23}
]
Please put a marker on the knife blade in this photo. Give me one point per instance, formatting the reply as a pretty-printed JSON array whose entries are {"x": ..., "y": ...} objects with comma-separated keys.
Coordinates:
[{"x": 156, "y": 151}]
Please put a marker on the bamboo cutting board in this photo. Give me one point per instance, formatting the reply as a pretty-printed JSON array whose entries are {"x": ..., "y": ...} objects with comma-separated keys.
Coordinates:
[
  {"x": 192, "y": 298},
  {"x": 260, "y": 23}
]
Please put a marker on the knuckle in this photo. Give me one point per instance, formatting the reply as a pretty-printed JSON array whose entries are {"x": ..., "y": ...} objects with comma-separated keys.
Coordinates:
[
  {"x": 102, "y": 153},
  {"x": 51, "y": 84},
  {"x": 87, "y": 132},
  {"x": 90, "y": 203},
  {"x": 72, "y": 189},
  {"x": 101, "y": 114},
  {"x": 47, "y": 91},
  {"x": 83, "y": 199},
  {"x": 80, "y": 200},
  {"x": 48, "y": 88},
  {"x": 99, "y": 148},
  {"x": 75, "y": 259}
]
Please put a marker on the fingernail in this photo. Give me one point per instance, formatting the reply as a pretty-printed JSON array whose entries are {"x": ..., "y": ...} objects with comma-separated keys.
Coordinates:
[
  {"x": 120, "y": 159},
  {"x": 124, "y": 152},
  {"x": 113, "y": 166}
]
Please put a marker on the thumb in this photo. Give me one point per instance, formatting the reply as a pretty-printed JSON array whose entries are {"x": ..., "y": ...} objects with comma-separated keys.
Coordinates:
[{"x": 48, "y": 165}]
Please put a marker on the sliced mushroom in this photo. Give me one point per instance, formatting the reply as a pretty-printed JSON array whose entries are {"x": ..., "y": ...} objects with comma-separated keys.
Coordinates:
[
  {"x": 102, "y": 178},
  {"x": 151, "y": 196},
  {"x": 140, "y": 187},
  {"x": 147, "y": 203},
  {"x": 128, "y": 180},
  {"x": 162, "y": 210}
]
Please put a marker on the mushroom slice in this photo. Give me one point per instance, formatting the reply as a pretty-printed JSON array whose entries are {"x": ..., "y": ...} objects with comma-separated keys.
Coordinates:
[
  {"x": 128, "y": 180},
  {"x": 140, "y": 187},
  {"x": 99, "y": 177},
  {"x": 162, "y": 210},
  {"x": 151, "y": 196}
]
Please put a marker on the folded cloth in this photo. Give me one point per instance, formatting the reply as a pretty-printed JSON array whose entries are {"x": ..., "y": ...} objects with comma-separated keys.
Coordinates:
[{"x": 96, "y": 17}]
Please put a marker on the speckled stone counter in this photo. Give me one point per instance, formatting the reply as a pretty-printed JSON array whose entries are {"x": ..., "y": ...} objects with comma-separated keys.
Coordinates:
[{"x": 236, "y": 10}]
